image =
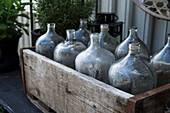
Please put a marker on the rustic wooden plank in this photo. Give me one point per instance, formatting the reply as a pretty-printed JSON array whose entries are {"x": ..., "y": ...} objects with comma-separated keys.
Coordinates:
[
  {"x": 22, "y": 66},
  {"x": 153, "y": 101},
  {"x": 68, "y": 91},
  {"x": 38, "y": 104}
]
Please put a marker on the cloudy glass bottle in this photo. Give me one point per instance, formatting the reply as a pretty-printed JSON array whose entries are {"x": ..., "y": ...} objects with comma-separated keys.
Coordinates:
[
  {"x": 66, "y": 52},
  {"x": 83, "y": 34},
  {"x": 133, "y": 73},
  {"x": 122, "y": 49},
  {"x": 95, "y": 60},
  {"x": 46, "y": 43},
  {"x": 161, "y": 62},
  {"x": 109, "y": 42}
]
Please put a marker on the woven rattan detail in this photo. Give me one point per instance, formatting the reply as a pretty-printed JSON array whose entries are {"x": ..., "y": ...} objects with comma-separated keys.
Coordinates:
[{"x": 157, "y": 8}]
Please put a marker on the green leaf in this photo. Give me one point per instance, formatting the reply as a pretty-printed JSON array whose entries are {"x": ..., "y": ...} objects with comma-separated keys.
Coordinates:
[
  {"x": 24, "y": 15},
  {"x": 1, "y": 12},
  {"x": 20, "y": 24},
  {"x": 3, "y": 27},
  {"x": 27, "y": 24},
  {"x": 26, "y": 31},
  {"x": 3, "y": 36},
  {"x": 10, "y": 2},
  {"x": 9, "y": 21}
]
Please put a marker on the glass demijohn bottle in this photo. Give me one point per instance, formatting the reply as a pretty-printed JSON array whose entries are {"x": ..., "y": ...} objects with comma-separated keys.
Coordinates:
[
  {"x": 95, "y": 60},
  {"x": 122, "y": 49},
  {"x": 161, "y": 63},
  {"x": 82, "y": 34},
  {"x": 109, "y": 42},
  {"x": 66, "y": 52},
  {"x": 132, "y": 74},
  {"x": 46, "y": 43}
]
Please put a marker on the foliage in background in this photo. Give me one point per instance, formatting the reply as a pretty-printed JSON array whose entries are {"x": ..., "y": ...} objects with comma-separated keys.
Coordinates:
[
  {"x": 10, "y": 10},
  {"x": 64, "y": 13}
]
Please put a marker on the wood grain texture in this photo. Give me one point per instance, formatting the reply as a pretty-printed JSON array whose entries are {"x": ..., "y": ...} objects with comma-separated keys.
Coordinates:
[
  {"x": 153, "y": 101},
  {"x": 22, "y": 67},
  {"x": 55, "y": 88},
  {"x": 67, "y": 91}
]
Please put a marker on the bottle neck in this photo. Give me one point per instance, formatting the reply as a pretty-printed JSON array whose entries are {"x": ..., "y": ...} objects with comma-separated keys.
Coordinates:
[
  {"x": 134, "y": 49},
  {"x": 94, "y": 39},
  {"x": 133, "y": 33},
  {"x": 105, "y": 30},
  {"x": 83, "y": 23},
  {"x": 168, "y": 42},
  {"x": 70, "y": 34},
  {"x": 133, "y": 52},
  {"x": 51, "y": 27},
  {"x": 83, "y": 26}
]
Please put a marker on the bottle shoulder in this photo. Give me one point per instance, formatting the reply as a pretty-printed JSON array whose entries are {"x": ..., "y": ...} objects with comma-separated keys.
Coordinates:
[
  {"x": 70, "y": 46},
  {"x": 97, "y": 53},
  {"x": 132, "y": 64},
  {"x": 163, "y": 56}
]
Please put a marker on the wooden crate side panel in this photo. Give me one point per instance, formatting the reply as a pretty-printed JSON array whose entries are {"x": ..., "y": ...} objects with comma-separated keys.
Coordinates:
[
  {"x": 68, "y": 91},
  {"x": 22, "y": 66},
  {"x": 153, "y": 101}
]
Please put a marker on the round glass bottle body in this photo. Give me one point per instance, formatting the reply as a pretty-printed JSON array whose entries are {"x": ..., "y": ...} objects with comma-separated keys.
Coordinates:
[
  {"x": 161, "y": 63},
  {"x": 82, "y": 34},
  {"x": 66, "y": 52},
  {"x": 46, "y": 43},
  {"x": 132, "y": 74},
  {"x": 109, "y": 42},
  {"x": 122, "y": 49},
  {"x": 95, "y": 60}
]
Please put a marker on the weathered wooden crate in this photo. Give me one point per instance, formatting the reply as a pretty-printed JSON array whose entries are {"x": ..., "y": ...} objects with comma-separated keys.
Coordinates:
[{"x": 55, "y": 88}]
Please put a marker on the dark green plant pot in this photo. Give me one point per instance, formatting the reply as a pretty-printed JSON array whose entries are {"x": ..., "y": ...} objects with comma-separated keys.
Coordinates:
[{"x": 9, "y": 59}]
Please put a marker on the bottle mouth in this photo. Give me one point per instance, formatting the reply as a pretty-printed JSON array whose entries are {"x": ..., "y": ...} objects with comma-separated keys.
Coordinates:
[
  {"x": 83, "y": 23},
  {"x": 70, "y": 34},
  {"x": 83, "y": 20},
  {"x": 133, "y": 28},
  {"x": 96, "y": 35},
  {"x": 104, "y": 26},
  {"x": 70, "y": 31},
  {"x": 51, "y": 24}
]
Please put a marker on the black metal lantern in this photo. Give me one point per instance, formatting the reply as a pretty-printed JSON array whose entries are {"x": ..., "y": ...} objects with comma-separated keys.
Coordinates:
[
  {"x": 109, "y": 17},
  {"x": 106, "y": 15}
]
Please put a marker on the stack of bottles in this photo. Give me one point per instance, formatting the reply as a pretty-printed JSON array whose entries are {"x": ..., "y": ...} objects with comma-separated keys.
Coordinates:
[{"x": 125, "y": 66}]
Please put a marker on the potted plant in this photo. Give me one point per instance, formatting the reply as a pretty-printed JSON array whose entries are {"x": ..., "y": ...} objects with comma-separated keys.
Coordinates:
[
  {"x": 66, "y": 14},
  {"x": 10, "y": 32}
]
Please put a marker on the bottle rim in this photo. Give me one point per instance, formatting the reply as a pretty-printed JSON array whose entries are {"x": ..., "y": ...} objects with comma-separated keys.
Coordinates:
[
  {"x": 70, "y": 30},
  {"x": 83, "y": 20},
  {"x": 168, "y": 35},
  {"x": 133, "y": 28},
  {"x": 104, "y": 26},
  {"x": 94, "y": 34},
  {"x": 51, "y": 24}
]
